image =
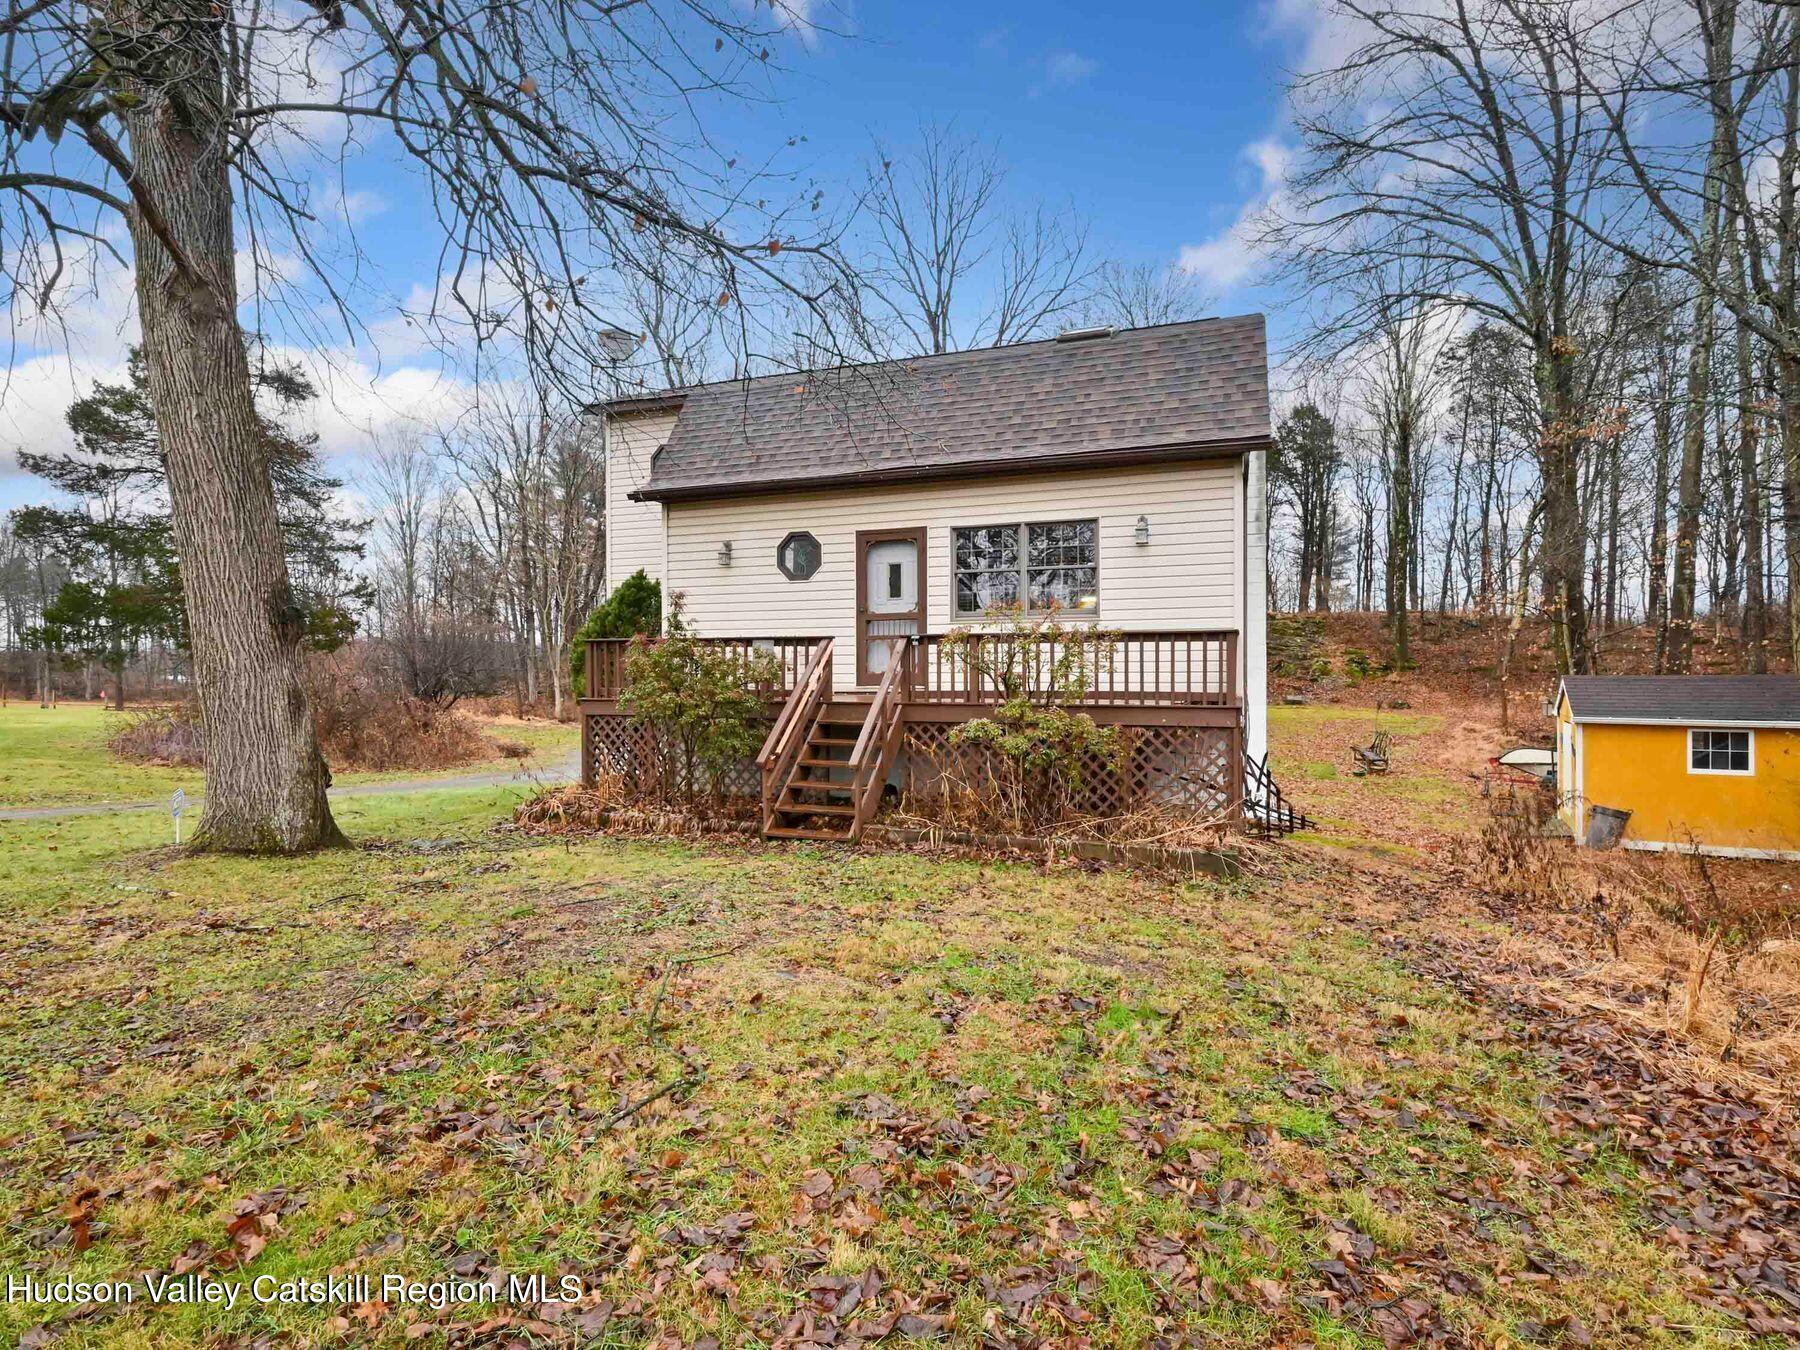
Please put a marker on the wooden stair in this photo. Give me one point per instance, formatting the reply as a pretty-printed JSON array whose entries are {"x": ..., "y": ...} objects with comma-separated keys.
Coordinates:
[
  {"x": 819, "y": 798},
  {"x": 826, "y": 760}
]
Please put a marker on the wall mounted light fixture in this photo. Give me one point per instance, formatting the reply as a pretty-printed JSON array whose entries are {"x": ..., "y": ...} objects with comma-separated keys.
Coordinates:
[
  {"x": 1142, "y": 532},
  {"x": 725, "y": 554}
]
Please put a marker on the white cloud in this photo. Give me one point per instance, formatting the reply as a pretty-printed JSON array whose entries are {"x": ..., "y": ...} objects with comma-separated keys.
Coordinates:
[
  {"x": 1230, "y": 258},
  {"x": 359, "y": 204},
  {"x": 1065, "y": 68},
  {"x": 1317, "y": 31}
]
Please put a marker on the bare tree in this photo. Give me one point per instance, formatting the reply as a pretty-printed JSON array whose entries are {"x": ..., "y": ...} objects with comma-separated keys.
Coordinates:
[
  {"x": 1137, "y": 296},
  {"x": 1735, "y": 186},
  {"x": 404, "y": 486},
  {"x": 938, "y": 228},
  {"x": 533, "y": 484},
  {"x": 1459, "y": 135},
  {"x": 550, "y": 132}
]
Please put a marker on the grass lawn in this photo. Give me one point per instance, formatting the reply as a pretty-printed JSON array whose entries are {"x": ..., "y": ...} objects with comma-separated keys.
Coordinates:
[
  {"x": 897, "y": 1095},
  {"x": 54, "y": 756},
  {"x": 58, "y": 756}
]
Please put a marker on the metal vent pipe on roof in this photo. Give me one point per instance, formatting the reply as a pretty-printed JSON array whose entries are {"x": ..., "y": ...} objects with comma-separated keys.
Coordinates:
[{"x": 1085, "y": 334}]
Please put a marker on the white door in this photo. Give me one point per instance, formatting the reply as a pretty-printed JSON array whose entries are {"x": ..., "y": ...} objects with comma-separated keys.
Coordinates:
[{"x": 892, "y": 602}]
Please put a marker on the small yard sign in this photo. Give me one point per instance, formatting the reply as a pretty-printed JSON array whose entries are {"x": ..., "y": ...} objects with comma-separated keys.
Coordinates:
[{"x": 178, "y": 804}]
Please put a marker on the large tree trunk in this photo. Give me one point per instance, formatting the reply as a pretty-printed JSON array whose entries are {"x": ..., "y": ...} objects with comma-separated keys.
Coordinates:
[
  {"x": 1564, "y": 555},
  {"x": 1322, "y": 553},
  {"x": 1657, "y": 599},
  {"x": 265, "y": 776},
  {"x": 1399, "y": 556},
  {"x": 1689, "y": 487},
  {"x": 1789, "y": 368},
  {"x": 1754, "y": 632}
]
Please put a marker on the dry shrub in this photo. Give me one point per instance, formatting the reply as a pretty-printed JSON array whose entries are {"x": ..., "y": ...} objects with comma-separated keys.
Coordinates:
[
  {"x": 161, "y": 736},
  {"x": 366, "y": 720},
  {"x": 1708, "y": 950},
  {"x": 570, "y": 810},
  {"x": 513, "y": 749},
  {"x": 953, "y": 788},
  {"x": 611, "y": 807}
]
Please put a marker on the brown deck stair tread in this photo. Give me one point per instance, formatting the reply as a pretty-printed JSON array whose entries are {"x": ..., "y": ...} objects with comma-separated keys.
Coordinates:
[
  {"x": 813, "y": 809},
  {"x": 794, "y": 832}
]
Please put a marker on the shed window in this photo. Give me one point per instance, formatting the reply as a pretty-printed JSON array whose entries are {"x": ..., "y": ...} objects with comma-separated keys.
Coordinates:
[
  {"x": 1054, "y": 565},
  {"x": 1719, "y": 751}
]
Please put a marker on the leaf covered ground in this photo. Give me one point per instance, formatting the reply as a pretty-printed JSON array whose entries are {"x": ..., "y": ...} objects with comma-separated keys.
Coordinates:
[{"x": 755, "y": 1095}]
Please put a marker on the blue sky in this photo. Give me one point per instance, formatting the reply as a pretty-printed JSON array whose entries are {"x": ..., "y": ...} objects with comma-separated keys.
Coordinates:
[{"x": 1161, "y": 127}]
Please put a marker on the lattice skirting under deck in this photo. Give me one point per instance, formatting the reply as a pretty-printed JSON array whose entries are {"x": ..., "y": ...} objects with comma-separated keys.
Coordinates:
[
  {"x": 1183, "y": 769},
  {"x": 614, "y": 746}
]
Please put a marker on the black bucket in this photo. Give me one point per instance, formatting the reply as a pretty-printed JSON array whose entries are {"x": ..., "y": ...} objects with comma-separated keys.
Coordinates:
[{"x": 1606, "y": 826}]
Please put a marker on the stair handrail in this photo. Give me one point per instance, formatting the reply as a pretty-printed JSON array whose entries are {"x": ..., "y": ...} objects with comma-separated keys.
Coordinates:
[
  {"x": 874, "y": 748},
  {"x": 787, "y": 736}
]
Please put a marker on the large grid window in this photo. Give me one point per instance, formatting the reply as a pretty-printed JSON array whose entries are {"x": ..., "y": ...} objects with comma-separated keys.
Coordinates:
[
  {"x": 1041, "y": 567},
  {"x": 1718, "y": 751}
]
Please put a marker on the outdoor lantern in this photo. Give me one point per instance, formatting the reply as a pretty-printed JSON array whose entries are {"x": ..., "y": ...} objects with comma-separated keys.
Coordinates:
[
  {"x": 1142, "y": 533},
  {"x": 725, "y": 554}
]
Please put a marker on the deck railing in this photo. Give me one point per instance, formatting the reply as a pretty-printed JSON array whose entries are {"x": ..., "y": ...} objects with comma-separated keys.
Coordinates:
[
  {"x": 606, "y": 661},
  {"x": 1189, "y": 668}
]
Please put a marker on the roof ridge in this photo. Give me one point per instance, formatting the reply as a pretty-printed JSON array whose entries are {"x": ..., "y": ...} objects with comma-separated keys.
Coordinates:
[{"x": 682, "y": 391}]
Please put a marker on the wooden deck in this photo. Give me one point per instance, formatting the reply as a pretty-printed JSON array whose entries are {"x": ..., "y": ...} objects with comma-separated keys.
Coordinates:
[
  {"x": 1178, "y": 669},
  {"x": 830, "y": 753}
]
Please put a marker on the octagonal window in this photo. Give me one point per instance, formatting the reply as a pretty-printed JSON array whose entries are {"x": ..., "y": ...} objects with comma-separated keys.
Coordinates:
[{"x": 799, "y": 556}]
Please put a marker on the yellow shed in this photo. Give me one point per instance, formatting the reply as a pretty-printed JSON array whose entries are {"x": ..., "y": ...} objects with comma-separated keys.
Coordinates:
[{"x": 1707, "y": 762}]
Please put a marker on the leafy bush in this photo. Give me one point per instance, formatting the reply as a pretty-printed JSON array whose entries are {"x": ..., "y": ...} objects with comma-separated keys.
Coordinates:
[
  {"x": 1036, "y": 749},
  {"x": 703, "y": 706},
  {"x": 634, "y": 608},
  {"x": 1038, "y": 756}
]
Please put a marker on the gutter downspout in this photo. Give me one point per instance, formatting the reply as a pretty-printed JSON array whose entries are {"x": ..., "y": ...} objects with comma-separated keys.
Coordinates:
[{"x": 1255, "y": 644}]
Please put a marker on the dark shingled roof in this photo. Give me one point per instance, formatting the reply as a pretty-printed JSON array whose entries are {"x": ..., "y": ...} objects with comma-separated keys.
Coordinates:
[
  {"x": 1760, "y": 700},
  {"x": 1140, "y": 394}
]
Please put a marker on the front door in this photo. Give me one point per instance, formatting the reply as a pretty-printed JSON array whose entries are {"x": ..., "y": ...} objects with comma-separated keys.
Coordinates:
[{"x": 890, "y": 596}]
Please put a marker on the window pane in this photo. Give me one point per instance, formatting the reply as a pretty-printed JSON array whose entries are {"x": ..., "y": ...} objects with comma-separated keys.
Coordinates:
[
  {"x": 1070, "y": 588},
  {"x": 1066, "y": 544},
  {"x": 987, "y": 548},
  {"x": 1719, "y": 751},
  {"x": 977, "y": 591}
]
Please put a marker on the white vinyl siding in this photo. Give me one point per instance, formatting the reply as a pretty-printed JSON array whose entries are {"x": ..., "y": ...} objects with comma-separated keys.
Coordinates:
[
  {"x": 634, "y": 530},
  {"x": 1189, "y": 576}
]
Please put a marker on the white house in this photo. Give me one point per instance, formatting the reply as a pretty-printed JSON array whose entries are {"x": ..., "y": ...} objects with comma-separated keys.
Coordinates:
[{"x": 1117, "y": 476}]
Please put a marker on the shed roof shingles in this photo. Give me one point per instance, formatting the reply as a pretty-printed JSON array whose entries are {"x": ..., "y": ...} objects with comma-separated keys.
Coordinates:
[
  {"x": 1759, "y": 700},
  {"x": 1143, "y": 389}
]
